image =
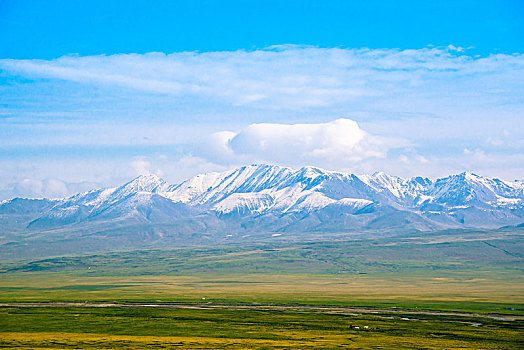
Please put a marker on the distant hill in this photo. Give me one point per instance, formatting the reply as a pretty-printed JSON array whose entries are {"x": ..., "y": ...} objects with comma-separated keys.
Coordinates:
[{"x": 255, "y": 202}]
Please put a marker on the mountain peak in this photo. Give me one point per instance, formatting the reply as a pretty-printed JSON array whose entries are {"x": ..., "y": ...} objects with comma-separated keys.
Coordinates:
[
  {"x": 312, "y": 171},
  {"x": 382, "y": 175},
  {"x": 144, "y": 183},
  {"x": 150, "y": 176},
  {"x": 468, "y": 175}
]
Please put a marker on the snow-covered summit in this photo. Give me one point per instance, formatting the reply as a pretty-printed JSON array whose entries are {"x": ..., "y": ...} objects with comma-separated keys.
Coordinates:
[
  {"x": 283, "y": 187},
  {"x": 143, "y": 183},
  {"x": 262, "y": 190}
]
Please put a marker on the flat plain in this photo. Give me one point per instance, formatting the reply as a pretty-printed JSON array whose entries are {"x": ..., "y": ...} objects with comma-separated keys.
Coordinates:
[{"x": 441, "y": 290}]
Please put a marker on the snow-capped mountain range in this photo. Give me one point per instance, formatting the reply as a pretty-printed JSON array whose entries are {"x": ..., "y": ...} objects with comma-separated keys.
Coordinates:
[
  {"x": 276, "y": 198},
  {"x": 254, "y": 203}
]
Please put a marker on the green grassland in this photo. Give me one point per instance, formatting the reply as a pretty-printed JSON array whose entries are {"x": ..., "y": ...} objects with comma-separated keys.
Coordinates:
[
  {"x": 450, "y": 289},
  {"x": 146, "y": 328}
]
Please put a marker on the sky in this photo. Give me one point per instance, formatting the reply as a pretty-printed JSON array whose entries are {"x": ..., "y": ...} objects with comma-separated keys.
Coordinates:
[{"x": 95, "y": 93}]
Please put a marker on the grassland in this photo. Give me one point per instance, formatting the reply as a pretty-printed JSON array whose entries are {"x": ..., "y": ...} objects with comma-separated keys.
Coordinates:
[
  {"x": 137, "y": 328},
  {"x": 442, "y": 290}
]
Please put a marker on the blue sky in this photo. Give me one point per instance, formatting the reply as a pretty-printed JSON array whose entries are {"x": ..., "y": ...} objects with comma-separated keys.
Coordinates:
[
  {"x": 94, "y": 93},
  {"x": 49, "y": 29}
]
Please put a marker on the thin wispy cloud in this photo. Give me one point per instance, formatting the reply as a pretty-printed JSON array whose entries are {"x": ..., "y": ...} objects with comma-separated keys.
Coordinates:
[
  {"x": 290, "y": 77},
  {"x": 407, "y": 112}
]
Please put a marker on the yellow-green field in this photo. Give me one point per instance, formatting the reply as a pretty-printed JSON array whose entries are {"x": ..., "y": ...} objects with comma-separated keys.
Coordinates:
[
  {"x": 425, "y": 295},
  {"x": 60, "y": 327},
  {"x": 482, "y": 288}
]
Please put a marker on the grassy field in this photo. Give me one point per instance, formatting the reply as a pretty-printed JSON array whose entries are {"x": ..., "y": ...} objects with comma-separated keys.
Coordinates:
[
  {"x": 481, "y": 293},
  {"x": 447, "y": 290},
  {"x": 136, "y": 328}
]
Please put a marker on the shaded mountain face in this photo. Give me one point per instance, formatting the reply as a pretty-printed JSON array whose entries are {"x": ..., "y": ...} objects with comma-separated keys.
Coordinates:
[{"x": 266, "y": 199}]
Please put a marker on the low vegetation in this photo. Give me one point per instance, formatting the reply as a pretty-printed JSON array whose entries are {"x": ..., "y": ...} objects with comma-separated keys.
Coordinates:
[
  {"x": 443, "y": 290},
  {"x": 208, "y": 328}
]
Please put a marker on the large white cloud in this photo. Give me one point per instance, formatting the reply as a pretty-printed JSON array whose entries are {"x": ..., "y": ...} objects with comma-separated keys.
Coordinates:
[{"x": 340, "y": 144}]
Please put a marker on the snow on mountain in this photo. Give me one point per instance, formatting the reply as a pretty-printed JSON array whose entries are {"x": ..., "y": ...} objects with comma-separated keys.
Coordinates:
[
  {"x": 213, "y": 187},
  {"x": 244, "y": 203},
  {"x": 468, "y": 189},
  {"x": 410, "y": 191},
  {"x": 260, "y": 188},
  {"x": 90, "y": 204},
  {"x": 354, "y": 202},
  {"x": 268, "y": 190},
  {"x": 311, "y": 201},
  {"x": 144, "y": 183}
]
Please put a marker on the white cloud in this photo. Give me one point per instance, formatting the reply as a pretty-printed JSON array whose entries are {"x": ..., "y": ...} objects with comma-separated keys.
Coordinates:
[
  {"x": 105, "y": 119},
  {"x": 291, "y": 77},
  {"x": 337, "y": 144},
  {"x": 404, "y": 159},
  {"x": 47, "y": 188},
  {"x": 141, "y": 166},
  {"x": 175, "y": 169}
]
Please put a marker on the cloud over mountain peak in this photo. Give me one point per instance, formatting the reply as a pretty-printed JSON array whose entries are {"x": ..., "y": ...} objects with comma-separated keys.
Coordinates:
[{"x": 341, "y": 141}]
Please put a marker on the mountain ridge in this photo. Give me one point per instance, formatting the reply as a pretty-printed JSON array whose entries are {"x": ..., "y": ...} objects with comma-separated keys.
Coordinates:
[
  {"x": 262, "y": 199},
  {"x": 288, "y": 186}
]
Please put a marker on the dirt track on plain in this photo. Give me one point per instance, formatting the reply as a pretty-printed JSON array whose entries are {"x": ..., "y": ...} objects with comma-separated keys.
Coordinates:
[{"x": 379, "y": 312}]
